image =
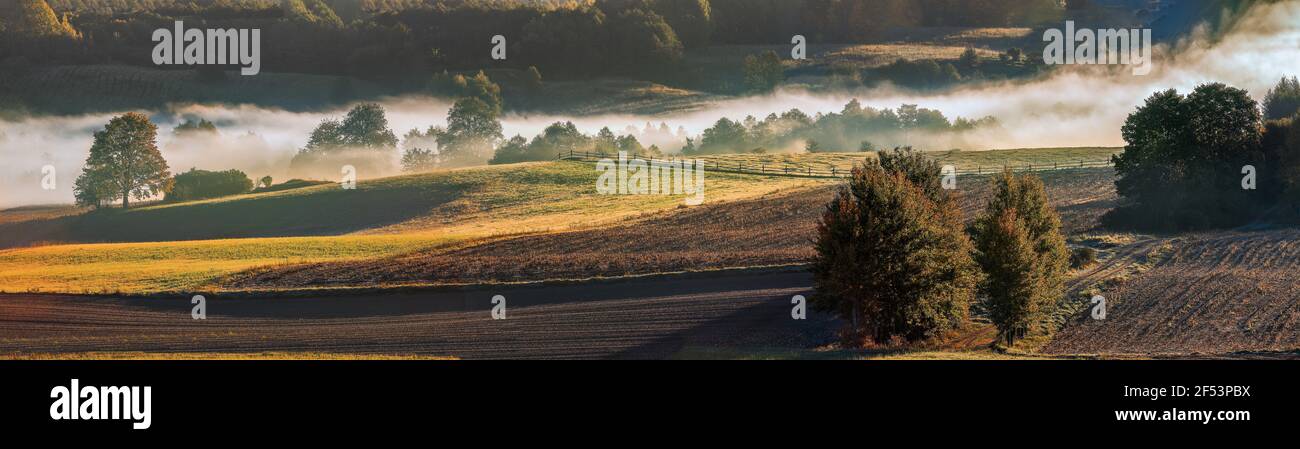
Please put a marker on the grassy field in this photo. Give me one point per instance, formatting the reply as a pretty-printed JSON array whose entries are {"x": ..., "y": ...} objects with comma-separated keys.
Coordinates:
[
  {"x": 188, "y": 246},
  {"x": 962, "y": 160},
  {"x": 771, "y": 230},
  {"x": 149, "y": 267},
  {"x": 501, "y": 223}
]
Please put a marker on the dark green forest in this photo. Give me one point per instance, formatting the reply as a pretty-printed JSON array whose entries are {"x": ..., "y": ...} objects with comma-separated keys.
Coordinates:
[{"x": 410, "y": 39}]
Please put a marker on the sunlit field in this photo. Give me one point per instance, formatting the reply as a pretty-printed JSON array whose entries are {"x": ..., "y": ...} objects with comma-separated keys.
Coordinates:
[
  {"x": 991, "y": 160},
  {"x": 188, "y": 246}
]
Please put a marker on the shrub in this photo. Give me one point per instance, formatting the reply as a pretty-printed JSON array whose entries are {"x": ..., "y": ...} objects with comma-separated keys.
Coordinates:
[
  {"x": 416, "y": 160},
  {"x": 1082, "y": 257},
  {"x": 202, "y": 184}
]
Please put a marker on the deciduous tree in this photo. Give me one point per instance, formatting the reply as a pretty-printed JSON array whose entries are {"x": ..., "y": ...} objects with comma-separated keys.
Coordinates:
[{"x": 124, "y": 162}]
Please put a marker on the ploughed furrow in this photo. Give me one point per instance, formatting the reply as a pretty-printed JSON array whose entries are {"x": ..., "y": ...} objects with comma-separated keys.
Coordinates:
[
  {"x": 624, "y": 320},
  {"x": 1213, "y": 293}
]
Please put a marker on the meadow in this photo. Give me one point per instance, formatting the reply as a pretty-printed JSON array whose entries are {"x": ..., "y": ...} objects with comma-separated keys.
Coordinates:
[
  {"x": 989, "y": 161},
  {"x": 521, "y": 222},
  {"x": 187, "y": 246}
]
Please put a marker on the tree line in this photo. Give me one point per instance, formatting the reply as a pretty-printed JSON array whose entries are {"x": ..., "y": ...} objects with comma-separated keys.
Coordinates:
[
  {"x": 413, "y": 39},
  {"x": 893, "y": 259},
  {"x": 1212, "y": 158}
]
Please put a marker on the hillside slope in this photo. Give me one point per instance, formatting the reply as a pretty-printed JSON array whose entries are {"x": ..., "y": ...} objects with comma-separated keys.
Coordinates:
[
  {"x": 183, "y": 246},
  {"x": 1211, "y": 293}
]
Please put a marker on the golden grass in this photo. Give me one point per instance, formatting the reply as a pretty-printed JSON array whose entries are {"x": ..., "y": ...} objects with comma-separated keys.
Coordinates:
[
  {"x": 153, "y": 267},
  {"x": 169, "y": 248},
  {"x": 383, "y": 218},
  {"x": 214, "y": 356},
  {"x": 962, "y": 160},
  {"x": 878, "y": 54}
]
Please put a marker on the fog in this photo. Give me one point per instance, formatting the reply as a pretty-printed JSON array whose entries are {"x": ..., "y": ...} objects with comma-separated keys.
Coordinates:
[{"x": 1075, "y": 106}]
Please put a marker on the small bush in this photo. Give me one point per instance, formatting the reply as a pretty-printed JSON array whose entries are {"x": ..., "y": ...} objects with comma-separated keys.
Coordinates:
[
  {"x": 203, "y": 184},
  {"x": 1082, "y": 257}
]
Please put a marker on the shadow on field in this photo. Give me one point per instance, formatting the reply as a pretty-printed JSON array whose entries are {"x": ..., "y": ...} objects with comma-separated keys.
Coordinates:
[{"x": 313, "y": 211}]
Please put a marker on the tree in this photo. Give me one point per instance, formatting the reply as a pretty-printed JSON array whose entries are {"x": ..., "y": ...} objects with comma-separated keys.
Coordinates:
[
  {"x": 513, "y": 150},
  {"x": 763, "y": 72},
  {"x": 472, "y": 132},
  {"x": 192, "y": 125},
  {"x": 415, "y": 160},
  {"x": 691, "y": 19},
  {"x": 533, "y": 79},
  {"x": 969, "y": 59},
  {"x": 1020, "y": 248},
  {"x": 644, "y": 41},
  {"x": 124, "y": 162},
  {"x": 1283, "y": 100},
  {"x": 265, "y": 182},
  {"x": 481, "y": 87},
  {"x": 1014, "y": 54},
  {"x": 35, "y": 18},
  {"x": 1182, "y": 165},
  {"x": 890, "y": 261},
  {"x": 365, "y": 126},
  {"x": 1281, "y": 142},
  {"x": 560, "y": 41},
  {"x": 921, "y": 171}
]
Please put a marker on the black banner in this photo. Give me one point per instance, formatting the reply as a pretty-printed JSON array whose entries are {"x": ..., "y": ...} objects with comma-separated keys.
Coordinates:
[{"x": 230, "y": 399}]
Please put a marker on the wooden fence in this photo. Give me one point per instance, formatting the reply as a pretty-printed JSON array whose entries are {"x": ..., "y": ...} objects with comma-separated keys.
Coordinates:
[{"x": 780, "y": 169}]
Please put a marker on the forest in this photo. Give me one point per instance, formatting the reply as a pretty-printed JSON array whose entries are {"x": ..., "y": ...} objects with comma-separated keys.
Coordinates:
[{"x": 398, "y": 40}]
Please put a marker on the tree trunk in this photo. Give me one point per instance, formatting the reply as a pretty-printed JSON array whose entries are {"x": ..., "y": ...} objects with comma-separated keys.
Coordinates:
[{"x": 126, "y": 199}]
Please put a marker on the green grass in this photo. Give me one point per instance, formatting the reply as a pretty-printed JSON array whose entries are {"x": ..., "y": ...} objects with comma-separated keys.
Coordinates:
[
  {"x": 183, "y": 247},
  {"x": 963, "y": 160}
]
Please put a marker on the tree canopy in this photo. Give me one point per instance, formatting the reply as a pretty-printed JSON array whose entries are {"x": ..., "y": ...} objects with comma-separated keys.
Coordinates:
[
  {"x": 1182, "y": 167},
  {"x": 891, "y": 261},
  {"x": 124, "y": 163}
]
